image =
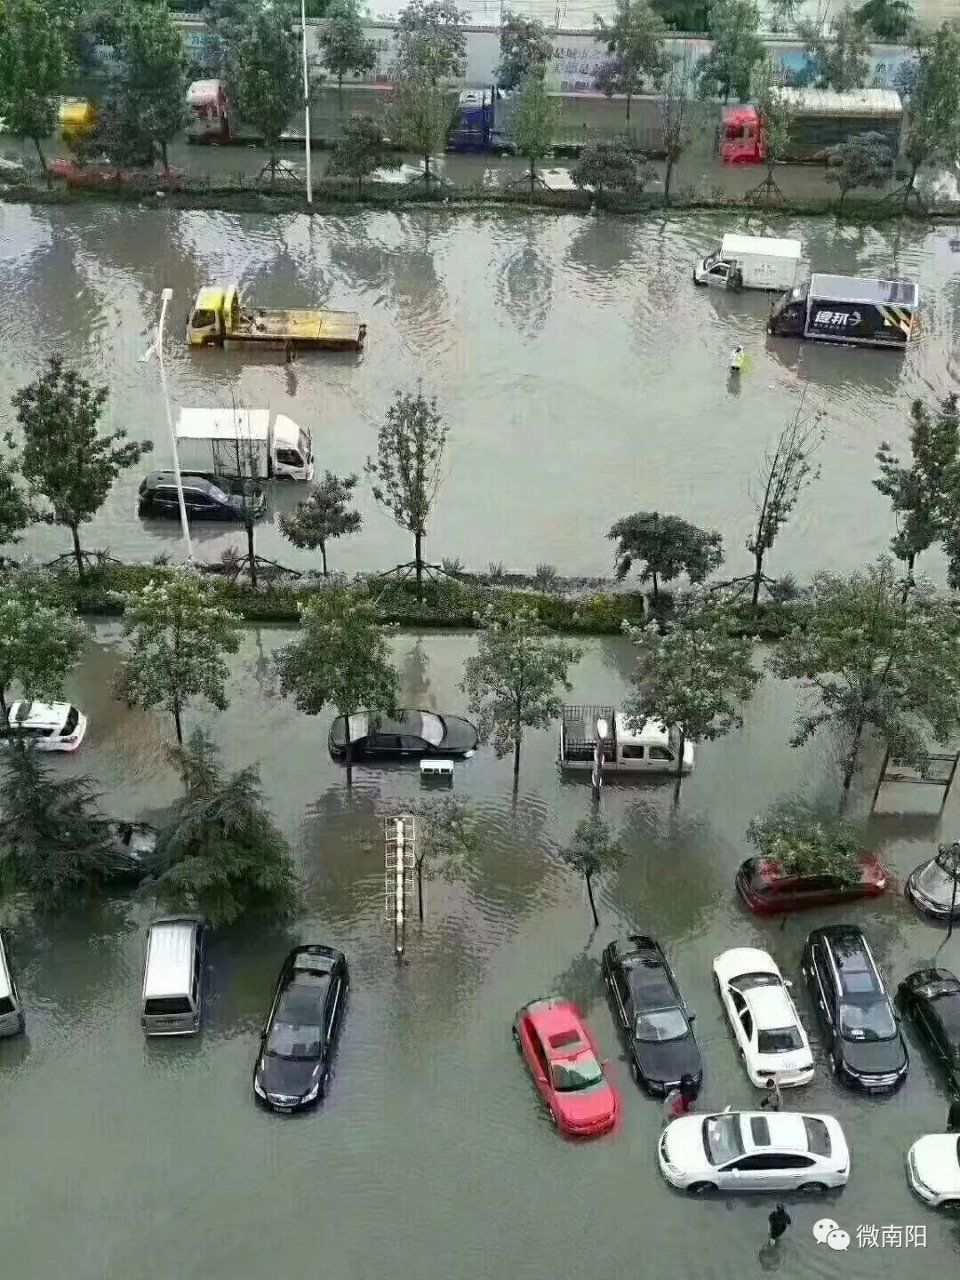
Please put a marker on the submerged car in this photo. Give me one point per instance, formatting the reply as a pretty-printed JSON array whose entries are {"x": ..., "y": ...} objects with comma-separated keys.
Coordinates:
[
  {"x": 767, "y": 890},
  {"x": 754, "y": 1151},
  {"x": 933, "y": 1169},
  {"x": 302, "y": 1029},
  {"x": 562, "y": 1057},
  {"x": 49, "y": 726},
  {"x": 652, "y": 1016},
  {"x": 934, "y": 886},
  {"x": 931, "y": 1000},
  {"x": 861, "y": 1033},
  {"x": 413, "y": 735},
  {"x": 205, "y": 497},
  {"x": 765, "y": 1022},
  {"x": 135, "y": 843}
]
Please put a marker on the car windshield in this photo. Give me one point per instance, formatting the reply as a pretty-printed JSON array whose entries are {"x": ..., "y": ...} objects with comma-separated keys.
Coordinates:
[
  {"x": 779, "y": 1040},
  {"x": 867, "y": 1020},
  {"x": 431, "y": 728},
  {"x": 296, "y": 1031},
  {"x": 721, "y": 1138},
  {"x": 570, "y": 1074},
  {"x": 661, "y": 1024}
]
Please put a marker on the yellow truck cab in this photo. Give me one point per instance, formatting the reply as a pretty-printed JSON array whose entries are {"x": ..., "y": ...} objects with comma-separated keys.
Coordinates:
[{"x": 220, "y": 317}]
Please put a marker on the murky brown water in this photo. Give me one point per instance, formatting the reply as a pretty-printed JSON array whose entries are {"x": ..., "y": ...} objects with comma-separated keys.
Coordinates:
[{"x": 583, "y": 377}]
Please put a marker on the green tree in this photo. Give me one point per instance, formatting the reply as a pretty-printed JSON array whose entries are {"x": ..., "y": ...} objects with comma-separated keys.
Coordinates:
[
  {"x": 679, "y": 119},
  {"x": 344, "y": 49},
  {"x": 786, "y": 471},
  {"x": 868, "y": 655},
  {"x": 54, "y": 844},
  {"x": 779, "y": 117},
  {"x": 888, "y": 20},
  {"x": 340, "y": 659},
  {"x": 64, "y": 458},
  {"x": 526, "y": 48},
  {"x": 923, "y": 494},
  {"x": 178, "y": 635},
  {"x": 783, "y": 14},
  {"x": 736, "y": 50},
  {"x": 154, "y": 78},
  {"x": 533, "y": 125},
  {"x": 33, "y": 70},
  {"x": 513, "y": 680},
  {"x": 842, "y": 57},
  {"x": 634, "y": 39},
  {"x": 802, "y": 843},
  {"x": 593, "y": 852},
  {"x": 325, "y": 514},
  {"x": 420, "y": 114},
  {"x": 430, "y": 42},
  {"x": 220, "y": 852},
  {"x": 406, "y": 473},
  {"x": 15, "y": 513},
  {"x": 610, "y": 164},
  {"x": 264, "y": 74},
  {"x": 446, "y": 838},
  {"x": 933, "y": 92},
  {"x": 693, "y": 676},
  {"x": 361, "y": 151},
  {"x": 865, "y": 160},
  {"x": 666, "y": 546},
  {"x": 120, "y": 133},
  {"x": 39, "y": 645}
]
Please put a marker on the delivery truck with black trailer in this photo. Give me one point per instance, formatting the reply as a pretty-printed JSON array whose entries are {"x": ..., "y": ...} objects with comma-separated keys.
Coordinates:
[{"x": 848, "y": 309}]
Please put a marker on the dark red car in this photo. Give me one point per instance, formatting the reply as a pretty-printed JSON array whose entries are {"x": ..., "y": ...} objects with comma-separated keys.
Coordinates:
[
  {"x": 765, "y": 889},
  {"x": 566, "y": 1067}
]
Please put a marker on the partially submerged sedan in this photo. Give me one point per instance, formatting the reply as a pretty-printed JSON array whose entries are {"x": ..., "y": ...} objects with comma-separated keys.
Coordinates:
[
  {"x": 562, "y": 1057},
  {"x": 766, "y": 889},
  {"x": 413, "y": 735},
  {"x": 933, "y": 1169},
  {"x": 754, "y": 1151},
  {"x": 934, "y": 886},
  {"x": 765, "y": 1022}
]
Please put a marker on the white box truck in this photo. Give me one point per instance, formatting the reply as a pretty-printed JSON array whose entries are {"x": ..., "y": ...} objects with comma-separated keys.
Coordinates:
[
  {"x": 251, "y": 443},
  {"x": 750, "y": 262}
]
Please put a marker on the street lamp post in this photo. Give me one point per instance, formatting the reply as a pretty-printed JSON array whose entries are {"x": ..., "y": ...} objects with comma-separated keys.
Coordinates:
[
  {"x": 306, "y": 98},
  {"x": 156, "y": 349}
]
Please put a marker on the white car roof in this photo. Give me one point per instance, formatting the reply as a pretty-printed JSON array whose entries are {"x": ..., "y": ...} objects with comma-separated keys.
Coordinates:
[
  {"x": 740, "y": 960},
  {"x": 650, "y": 733},
  {"x": 168, "y": 967},
  {"x": 42, "y": 715},
  {"x": 771, "y": 1007},
  {"x": 787, "y": 1131}
]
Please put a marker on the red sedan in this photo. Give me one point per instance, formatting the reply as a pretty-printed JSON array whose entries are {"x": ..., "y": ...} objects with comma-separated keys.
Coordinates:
[
  {"x": 765, "y": 889},
  {"x": 566, "y": 1067}
]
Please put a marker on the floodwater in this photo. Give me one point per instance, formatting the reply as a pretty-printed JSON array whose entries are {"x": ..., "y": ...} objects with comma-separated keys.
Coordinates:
[
  {"x": 432, "y": 1156},
  {"x": 581, "y": 373},
  {"x": 583, "y": 377}
]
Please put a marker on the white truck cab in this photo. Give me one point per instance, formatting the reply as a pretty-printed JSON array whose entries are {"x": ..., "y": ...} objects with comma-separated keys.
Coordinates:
[
  {"x": 649, "y": 748},
  {"x": 750, "y": 262},
  {"x": 244, "y": 442}
]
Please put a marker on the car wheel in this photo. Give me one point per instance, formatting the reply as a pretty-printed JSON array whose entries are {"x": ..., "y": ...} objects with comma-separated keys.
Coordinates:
[
  {"x": 716, "y": 987},
  {"x": 702, "y": 1188},
  {"x": 950, "y": 1204},
  {"x": 636, "y": 1074},
  {"x": 812, "y": 1188},
  {"x": 516, "y": 1040}
]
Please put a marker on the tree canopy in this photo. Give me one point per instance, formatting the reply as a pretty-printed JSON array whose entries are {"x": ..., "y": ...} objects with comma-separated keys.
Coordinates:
[
  {"x": 264, "y": 73},
  {"x": 666, "y": 546},
  {"x": 864, "y": 160},
  {"x": 150, "y": 48},
  {"x": 33, "y": 69},
  {"x": 634, "y": 41},
  {"x": 610, "y": 164},
  {"x": 842, "y": 56},
  {"x": 933, "y": 90},
  {"x": 430, "y": 41},
  {"x": 802, "y": 843},
  {"x": 39, "y": 645},
  {"x": 534, "y": 122},
  {"x": 592, "y": 852},
  {"x": 525, "y": 50},
  {"x": 344, "y": 49},
  {"x": 736, "y": 50},
  {"x": 361, "y": 150},
  {"x": 325, "y": 514}
]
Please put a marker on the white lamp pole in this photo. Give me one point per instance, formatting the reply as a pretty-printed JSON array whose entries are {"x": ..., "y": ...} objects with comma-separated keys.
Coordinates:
[
  {"x": 306, "y": 99},
  {"x": 156, "y": 349}
]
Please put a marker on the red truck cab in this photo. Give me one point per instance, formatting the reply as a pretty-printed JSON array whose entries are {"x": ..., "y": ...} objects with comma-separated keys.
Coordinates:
[{"x": 741, "y": 136}]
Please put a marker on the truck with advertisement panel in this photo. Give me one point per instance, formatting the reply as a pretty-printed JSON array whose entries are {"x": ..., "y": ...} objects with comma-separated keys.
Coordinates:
[{"x": 850, "y": 310}]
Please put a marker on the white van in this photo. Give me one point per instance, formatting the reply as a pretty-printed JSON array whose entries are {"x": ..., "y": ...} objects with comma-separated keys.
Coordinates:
[
  {"x": 12, "y": 1021},
  {"x": 173, "y": 977}
]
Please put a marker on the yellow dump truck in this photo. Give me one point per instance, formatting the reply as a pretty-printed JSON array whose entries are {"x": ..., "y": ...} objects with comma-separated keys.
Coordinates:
[{"x": 220, "y": 317}]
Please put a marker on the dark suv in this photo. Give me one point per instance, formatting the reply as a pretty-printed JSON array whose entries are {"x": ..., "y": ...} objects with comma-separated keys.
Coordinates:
[
  {"x": 861, "y": 1031},
  {"x": 206, "y": 497}
]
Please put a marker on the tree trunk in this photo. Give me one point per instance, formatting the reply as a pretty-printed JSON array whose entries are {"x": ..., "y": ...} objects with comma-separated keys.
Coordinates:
[
  {"x": 273, "y": 170},
  {"x": 253, "y": 558},
  {"x": 3, "y": 706},
  {"x": 843, "y": 196},
  {"x": 908, "y": 189},
  {"x": 323, "y": 557},
  {"x": 77, "y": 552},
  {"x": 359, "y": 186},
  {"x": 629, "y": 98},
  {"x": 516, "y": 756},
  {"x": 43, "y": 161},
  {"x": 340, "y": 98},
  {"x": 656, "y": 585},
  {"x": 426, "y": 172},
  {"x": 666, "y": 181},
  {"x": 420, "y": 888},
  {"x": 176, "y": 721},
  {"x": 163, "y": 157},
  {"x": 681, "y": 748},
  {"x": 757, "y": 577},
  {"x": 851, "y": 762},
  {"x": 348, "y": 750},
  {"x": 593, "y": 905},
  {"x": 418, "y": 558},
  {"x": 533, "y": 177}
]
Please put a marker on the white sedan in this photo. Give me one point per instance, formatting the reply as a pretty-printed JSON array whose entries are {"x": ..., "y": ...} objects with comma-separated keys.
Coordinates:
[
  {"x": 50, "y": 726},
  {"x": 754, "y": 1151},
  {"x": 768, "y": 1029},
  {"x": 933, "y": 1169}
]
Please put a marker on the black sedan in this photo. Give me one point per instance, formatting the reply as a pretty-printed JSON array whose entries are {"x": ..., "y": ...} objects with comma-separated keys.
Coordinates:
[
  {"x": 205, "y": 497},
  {"x": 930, "y": 998},
  {"x": 301, "y": 1033},
  {"x": 653, "y": 1018},
  {"x": 413, "y": 735}
]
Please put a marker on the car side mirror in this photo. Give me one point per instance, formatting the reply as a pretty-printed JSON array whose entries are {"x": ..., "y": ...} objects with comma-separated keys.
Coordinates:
[
  {"x": 787, "y": 982},
  {"x": 691, "y": 1017}
]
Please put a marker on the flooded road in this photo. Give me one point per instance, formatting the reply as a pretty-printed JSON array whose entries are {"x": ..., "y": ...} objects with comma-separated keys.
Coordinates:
[
  {"x": 583, "y": 377},
  {"x": 432, "y": 1156},
  {"x": 582, "y": 374}
]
